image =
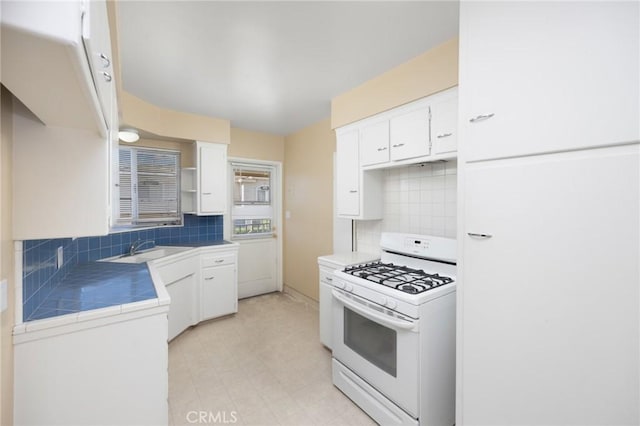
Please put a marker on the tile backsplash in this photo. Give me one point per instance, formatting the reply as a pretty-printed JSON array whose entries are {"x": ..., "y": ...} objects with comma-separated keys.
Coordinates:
[
  {"x": 418, "y": 199},
  {"x": 39, "y": 273}
]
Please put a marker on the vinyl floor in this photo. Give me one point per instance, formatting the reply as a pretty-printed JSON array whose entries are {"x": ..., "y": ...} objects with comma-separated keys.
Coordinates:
[{"x": 262, "y": 366}]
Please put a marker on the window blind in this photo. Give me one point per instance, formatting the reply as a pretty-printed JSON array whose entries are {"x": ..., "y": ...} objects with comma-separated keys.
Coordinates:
[{"x": 149, "y": 186}]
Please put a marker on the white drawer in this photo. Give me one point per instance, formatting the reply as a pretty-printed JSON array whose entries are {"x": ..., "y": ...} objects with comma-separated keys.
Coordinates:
[
  {"x": 218, "y": 259},
  {"x": 326, "y": 276}
]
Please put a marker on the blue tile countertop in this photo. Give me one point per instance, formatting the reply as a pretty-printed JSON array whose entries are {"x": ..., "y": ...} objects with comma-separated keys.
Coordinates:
[{"x": 97, "y": 285}]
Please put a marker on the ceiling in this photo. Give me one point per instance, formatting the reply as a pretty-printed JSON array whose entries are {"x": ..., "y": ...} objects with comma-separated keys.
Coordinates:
[{"x": 269, "y": 66}]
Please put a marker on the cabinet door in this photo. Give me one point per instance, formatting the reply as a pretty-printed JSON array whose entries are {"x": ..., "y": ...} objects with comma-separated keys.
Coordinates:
[
  {"x": 181, "y": 308},
  {"x": 97, "y": 42},
  {"x": 550, "y": 302},
  {"x": 347, "y": 174},
  {"x": 555, "y": 75},
  {"x": 374, "y": 143},
  {"x": 212, "y": 168},
  {"x": 219, "y": 291},
  {"x": 444, "y": 122},
  {"x": 410, "y": 135}
]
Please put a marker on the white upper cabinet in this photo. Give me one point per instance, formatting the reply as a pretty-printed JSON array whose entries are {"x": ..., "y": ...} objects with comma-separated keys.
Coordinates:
[
  {"x": 410, "y": 134},
  {"x": 212, "y": 178},
  {"x": 46, "y": 66},
  {"x": 97, "y": 42},
  {"x": 65, "y": 170},
  {"x": 420, "y": 131},
  {"x": 513, "y": 49},
  {"x": 444, "y": 122},
  {"x": 358, "y": 192},
  {"x": 374, "y": 143}
]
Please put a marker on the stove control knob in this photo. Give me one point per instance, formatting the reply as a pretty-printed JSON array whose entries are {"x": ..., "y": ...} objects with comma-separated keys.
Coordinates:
[
  {"x": 348, "y": 287},
  {"x": 391, "y": 304},
  {"x": 339, "y": 284}
]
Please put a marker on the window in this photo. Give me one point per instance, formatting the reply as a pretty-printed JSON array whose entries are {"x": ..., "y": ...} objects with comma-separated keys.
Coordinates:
[
  {"x": 252, "y": 210},
  {"x": 149, "y": 187}
]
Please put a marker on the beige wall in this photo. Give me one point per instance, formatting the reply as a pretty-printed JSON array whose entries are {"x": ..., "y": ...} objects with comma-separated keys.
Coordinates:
[
  {"x": 256, "y": 145},
  {"x": 431, "y": 72},
  {"x": 7, "y": 259},
  {"x": 142, "y": 115},
  {"x": 308, "y": 189}
]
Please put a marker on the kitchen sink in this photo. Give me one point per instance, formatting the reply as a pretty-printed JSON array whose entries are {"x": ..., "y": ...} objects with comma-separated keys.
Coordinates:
[{"x": 146, "y": 255}]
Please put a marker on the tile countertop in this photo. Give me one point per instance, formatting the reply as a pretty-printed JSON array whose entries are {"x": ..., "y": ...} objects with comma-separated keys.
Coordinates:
[
  {"x": 105, "y": 286},
  {"x": 97, "y": 285}
]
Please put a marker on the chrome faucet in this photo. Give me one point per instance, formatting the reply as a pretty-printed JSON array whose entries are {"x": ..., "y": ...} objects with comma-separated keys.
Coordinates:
[{"x": 133, "y": 249}]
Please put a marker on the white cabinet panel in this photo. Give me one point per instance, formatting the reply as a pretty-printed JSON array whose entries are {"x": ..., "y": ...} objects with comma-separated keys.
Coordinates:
[
  {"x": 92, "y": 375},
  {"x": 181, "y": 310},
  {"x": 555, "y": 75},
  {"x": 219, "y": 291},
  {"x": 348, "y": 174},
  {"x": 374, "y": 143},
  {"x": 409, "y": 135},
  {"x": 60, "y": 180},
  {"x": 326, "y": 307},
  {"x": 97, "y": 41},
  {"x": 549, "y": 304},
  {"x": 212, "y": 182},
  {"x": 444, "y": 122}
]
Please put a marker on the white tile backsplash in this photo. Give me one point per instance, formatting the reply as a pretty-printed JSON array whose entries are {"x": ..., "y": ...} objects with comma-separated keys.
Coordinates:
[{"x": 418, "y": 199}]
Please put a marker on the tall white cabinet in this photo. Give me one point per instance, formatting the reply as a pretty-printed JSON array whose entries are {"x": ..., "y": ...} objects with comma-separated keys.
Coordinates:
[{"x": 549, "y": 197}]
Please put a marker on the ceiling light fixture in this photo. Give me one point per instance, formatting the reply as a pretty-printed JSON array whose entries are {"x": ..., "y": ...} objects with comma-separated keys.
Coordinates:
[{"x": 128, "y": 135}]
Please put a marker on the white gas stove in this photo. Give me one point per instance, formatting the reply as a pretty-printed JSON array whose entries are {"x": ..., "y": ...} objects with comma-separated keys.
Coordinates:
[{"x": 394, "y": 331}]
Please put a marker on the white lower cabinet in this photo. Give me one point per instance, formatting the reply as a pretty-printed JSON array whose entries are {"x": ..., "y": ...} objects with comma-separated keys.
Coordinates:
[
  {"x": 202, "y": 284},
  {"x": 326, "y": 306},
  {"x": 104, "y": 370},
  {"x": 181, "y": 315},
  {"x": 218, "y": 284},
  {"x": 179, "y": 276},
  {"x": 219, "y": 292}
]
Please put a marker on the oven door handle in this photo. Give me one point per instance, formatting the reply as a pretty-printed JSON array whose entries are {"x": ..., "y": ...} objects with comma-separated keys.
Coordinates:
[{"x": 374, "y": 316}]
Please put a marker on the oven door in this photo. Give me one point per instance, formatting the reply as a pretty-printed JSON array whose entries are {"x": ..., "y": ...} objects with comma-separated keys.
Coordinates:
[{"x": 380, "y": 348}]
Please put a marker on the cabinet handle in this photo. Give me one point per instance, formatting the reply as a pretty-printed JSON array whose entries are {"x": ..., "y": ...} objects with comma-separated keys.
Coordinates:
[
  {"x": 444, "y": 135},
  {"x": 481, "y": 117},
  {"x": 353, "y": 191},
  {"x": 398, "y": 145},
  {"x": 209, "y": 278},
  {"x": 382, "y": 149},
  {"x": 107, "y": 76},
  {"x": 329, "y": 279},
  {"x": 219, "y": 261},
  {"x": 106, "y": 60},
  {"x": 476, "y": 235}
]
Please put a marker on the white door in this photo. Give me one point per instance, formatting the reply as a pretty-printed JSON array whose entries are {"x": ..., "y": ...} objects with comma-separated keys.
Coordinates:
[{"x": 255, "y": 201}]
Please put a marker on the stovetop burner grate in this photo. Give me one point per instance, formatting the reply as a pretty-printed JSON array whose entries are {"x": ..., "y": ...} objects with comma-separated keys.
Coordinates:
[{"x": 400, "y": 277}]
